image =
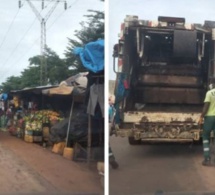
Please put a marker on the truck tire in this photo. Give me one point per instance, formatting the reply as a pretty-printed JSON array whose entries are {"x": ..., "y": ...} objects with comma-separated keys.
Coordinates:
[{"x": 132, "y": 141}]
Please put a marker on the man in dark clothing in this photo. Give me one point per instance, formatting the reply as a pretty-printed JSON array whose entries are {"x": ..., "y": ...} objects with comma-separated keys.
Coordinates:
[{"x": 112, "y": 159}]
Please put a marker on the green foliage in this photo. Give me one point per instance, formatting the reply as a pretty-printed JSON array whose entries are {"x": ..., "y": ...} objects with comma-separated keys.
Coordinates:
[
  {"x": 57, "y": 68},
  {"x": 29, "y": 78},
  {"x": 12, "y": 83},
  {"x": 91, "y": 30}
]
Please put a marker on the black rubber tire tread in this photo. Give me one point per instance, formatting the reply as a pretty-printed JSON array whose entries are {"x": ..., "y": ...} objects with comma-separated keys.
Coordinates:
[{"x": 132, "y": 141}]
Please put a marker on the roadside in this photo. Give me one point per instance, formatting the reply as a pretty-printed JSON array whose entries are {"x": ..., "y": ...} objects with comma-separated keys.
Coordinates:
[
  {"x": 28, "y": 168},
  {"x": 159, "y": 169}
]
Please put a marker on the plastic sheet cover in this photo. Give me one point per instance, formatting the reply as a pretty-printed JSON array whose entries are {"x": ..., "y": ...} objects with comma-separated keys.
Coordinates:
[{"x": 92, "y": 55}]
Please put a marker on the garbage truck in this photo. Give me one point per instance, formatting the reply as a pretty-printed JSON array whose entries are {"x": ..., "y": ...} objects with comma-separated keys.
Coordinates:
[{"x": 163, "y": 70}]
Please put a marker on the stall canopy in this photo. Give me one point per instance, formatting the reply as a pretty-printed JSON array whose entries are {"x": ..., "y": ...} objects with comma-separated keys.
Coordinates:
[
  {"x": 62, "y": 89},
  {"x": 76, "y": 84},
  {"x": 35, "y": 90}
]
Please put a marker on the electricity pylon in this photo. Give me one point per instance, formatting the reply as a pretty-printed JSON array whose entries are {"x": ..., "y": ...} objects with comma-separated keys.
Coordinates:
[{"x": 43, "y": 20}]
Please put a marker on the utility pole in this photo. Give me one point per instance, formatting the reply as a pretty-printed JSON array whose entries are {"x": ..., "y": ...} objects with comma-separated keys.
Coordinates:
[{"x": 43, "y": 20}]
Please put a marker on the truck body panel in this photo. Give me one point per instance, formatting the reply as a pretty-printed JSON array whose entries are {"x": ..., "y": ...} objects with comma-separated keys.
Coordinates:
[{"x": 164, "y": 69}]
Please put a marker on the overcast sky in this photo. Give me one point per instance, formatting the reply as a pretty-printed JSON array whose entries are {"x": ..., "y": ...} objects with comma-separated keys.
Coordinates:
[
  {"x": 20, "y": 30},
  {"x": 194, "y": 11}
]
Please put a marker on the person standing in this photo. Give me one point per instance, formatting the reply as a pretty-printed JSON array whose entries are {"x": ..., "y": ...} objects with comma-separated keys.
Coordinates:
[
  {"x": 112, "y": 159},
  {"x": 207, "y": 118}
]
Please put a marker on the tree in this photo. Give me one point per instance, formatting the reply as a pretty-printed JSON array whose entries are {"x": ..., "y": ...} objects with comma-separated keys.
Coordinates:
[
  {"x": 56, "y": 67},
  {"x": 91, "y": 30},
  {"x": 12, "y": 83},
  {"x": 56, "y": 71},
  {"x": 29, "y": 78}
]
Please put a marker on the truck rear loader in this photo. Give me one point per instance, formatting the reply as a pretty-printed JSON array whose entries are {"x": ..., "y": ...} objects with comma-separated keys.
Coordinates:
[{"x": 163, "y": 72}]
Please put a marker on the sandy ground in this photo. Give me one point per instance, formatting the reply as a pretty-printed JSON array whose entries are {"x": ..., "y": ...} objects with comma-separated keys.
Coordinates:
[{"x": 31, "y": 169}]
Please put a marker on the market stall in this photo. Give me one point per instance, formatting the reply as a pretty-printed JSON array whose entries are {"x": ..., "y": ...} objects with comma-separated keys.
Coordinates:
[
  {"x": 71, "y": 112},
  {"x": 92, "y": 58},
  {"x": 3, "y": 109},
  {"x": 62, "y": 132},
  {"x": 30, "y": 114}
]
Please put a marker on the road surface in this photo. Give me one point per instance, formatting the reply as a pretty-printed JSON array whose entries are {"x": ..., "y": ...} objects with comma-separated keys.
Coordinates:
[
  {"x": 27, "y": 168},
  {"x": 151, "y": 169}
]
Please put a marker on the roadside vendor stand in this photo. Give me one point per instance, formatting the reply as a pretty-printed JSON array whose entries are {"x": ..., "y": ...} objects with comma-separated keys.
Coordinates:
[
  {"x": 3, "y": 110},
  {"x": 75, "y": 88},
  {"x": 92, "y": 58},
  {"x": 32, "y": 110}
]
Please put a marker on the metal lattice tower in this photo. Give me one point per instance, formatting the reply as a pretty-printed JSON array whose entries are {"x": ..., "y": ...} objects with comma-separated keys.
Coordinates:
[{"x": 43, "y": 20}]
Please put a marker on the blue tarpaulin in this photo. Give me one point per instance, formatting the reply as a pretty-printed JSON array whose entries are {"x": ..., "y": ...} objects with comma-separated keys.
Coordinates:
[
  {"x": 3, "y": 96},
  {"x": 92, "y": 55}
]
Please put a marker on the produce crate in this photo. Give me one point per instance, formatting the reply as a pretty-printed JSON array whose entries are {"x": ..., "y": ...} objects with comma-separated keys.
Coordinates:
[
  {"x": 33, "y": 136},
  {"x": 33, "y": 132},
  {"x": 46, "y": 125},
  {"x": 29, "y": 138},
  {"x": 29, "y": 132},
  {"x": 46, "y": 133},
  {"x": 38, "y": 138},
  {"x": 37, "y": 133}
]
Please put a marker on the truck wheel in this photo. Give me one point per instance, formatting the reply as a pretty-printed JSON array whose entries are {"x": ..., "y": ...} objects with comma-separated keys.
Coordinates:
[{"x": 132, "y": 141}]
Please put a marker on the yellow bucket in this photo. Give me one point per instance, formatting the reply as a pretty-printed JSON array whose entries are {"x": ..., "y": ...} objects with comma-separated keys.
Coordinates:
[
  {"x": 100, "y": 167},
  {"x": 58, "y": 148},
  {"x": 68, "y": 153}
]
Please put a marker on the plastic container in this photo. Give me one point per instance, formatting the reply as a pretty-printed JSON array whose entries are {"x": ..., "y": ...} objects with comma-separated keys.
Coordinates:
[
  {"x": 46, "y": 133},
  {"x": 59, "y": 148},
  {"x": 68, "y": 153},
  {"x": 29, "y": 138}
]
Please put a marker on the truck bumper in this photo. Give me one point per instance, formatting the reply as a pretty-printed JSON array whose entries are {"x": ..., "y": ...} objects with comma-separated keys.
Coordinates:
[
  {"x": 161, "y": 127},
  {"x": 186, "y": 136}
]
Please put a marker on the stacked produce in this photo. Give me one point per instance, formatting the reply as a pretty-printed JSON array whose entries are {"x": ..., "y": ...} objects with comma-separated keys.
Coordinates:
[
  {"x": 35, "y": 120},
  {"x": 20, "y": 128},
  {"x": 37, "y": 125}
]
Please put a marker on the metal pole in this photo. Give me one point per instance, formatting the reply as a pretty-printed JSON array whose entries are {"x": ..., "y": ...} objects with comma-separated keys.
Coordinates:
[
  {"x": 42, "y": 53},
  {"x": 214, "y": 61},
  {"x": 43, "y": 70},
  {"x": 45, "y": 60},
  {"x": 89, "y": 141},
  {"x": 70, "y": 116}
]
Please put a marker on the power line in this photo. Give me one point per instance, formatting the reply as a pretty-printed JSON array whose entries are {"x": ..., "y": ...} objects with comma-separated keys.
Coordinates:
[
  {"x": 25, "y": 53},
  {"x": 28, "y": 50},
  {"x": 61, "y": 14},
  {"x": 9, "y": 28},
  {"x": 22, "y": 39},
  {"x": 17, "y": 45},
  {"x": 43, "y": 20}
]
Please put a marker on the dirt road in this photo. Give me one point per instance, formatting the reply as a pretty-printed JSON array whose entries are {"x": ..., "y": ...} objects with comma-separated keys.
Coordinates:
[
  {"x": 29, "y": 168},
  {"x": 171, "y": 169}
]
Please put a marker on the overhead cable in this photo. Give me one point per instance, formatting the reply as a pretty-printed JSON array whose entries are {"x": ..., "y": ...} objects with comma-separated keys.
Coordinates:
[
  {"x": 27, "y": 51},
  {"x": 9, "y": 28}
]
